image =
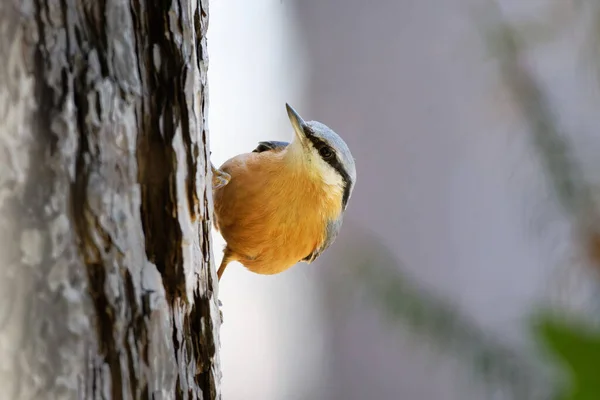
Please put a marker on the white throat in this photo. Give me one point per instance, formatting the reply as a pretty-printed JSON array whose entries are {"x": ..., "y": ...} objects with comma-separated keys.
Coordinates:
[{"x": 309, "y": 159}]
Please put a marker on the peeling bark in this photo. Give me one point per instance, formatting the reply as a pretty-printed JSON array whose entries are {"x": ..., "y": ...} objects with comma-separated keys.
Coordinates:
[{"x": 107, "y": 285}]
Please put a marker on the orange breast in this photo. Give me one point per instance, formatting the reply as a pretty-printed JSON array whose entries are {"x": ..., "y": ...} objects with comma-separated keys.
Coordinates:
[{"x": 271, "y": 213}]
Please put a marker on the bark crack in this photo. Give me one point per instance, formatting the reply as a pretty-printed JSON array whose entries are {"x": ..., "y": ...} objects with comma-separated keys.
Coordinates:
[{"x": 88, "y": 229}]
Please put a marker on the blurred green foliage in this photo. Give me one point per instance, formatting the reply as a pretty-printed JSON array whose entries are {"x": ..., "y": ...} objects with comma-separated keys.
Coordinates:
[{"x": 577, "y": 347}]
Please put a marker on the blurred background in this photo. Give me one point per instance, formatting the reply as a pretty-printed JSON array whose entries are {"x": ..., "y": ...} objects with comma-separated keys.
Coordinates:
[{"x": 474, "y": 125}]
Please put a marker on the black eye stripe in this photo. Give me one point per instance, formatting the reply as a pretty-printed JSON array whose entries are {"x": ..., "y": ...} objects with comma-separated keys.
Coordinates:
[{"x": 334, "y": 162}]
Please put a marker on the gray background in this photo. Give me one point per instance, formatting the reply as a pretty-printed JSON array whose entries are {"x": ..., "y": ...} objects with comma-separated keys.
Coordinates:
[{"x": 448, "y": 184}]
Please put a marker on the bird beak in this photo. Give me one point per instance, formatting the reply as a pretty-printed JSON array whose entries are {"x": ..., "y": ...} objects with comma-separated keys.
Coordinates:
[{"x": 297, "y": 123}]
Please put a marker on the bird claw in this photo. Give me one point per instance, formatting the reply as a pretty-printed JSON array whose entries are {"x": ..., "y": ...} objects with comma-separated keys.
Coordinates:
[
  {"x": 219, "y": 178},
  {"x": 220, "y": 303}
]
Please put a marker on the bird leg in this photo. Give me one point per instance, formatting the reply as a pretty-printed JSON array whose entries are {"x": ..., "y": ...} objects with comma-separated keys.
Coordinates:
[
  {"x": 222, "y": 267},
  {"x": 226, "y": 260},
  {"x": 219, "y": 178}
]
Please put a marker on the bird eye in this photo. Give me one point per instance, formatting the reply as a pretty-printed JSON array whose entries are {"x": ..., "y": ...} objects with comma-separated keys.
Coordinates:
[{"x": 325, "y": 152}]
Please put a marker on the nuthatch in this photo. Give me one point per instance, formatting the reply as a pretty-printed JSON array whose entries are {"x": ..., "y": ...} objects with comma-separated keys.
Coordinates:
[{"x": 283, "y": 203}]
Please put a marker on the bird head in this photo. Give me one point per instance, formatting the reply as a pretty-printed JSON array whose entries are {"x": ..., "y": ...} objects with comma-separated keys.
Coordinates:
[{"x": 323, "y": 153}]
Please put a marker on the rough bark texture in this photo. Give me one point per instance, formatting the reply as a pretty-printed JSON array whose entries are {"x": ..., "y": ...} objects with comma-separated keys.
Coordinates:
[{"x": 106, "y": 278}]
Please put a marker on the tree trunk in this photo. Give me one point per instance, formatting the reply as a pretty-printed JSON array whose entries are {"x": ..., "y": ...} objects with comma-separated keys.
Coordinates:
[{"x": 107, "y": 284}]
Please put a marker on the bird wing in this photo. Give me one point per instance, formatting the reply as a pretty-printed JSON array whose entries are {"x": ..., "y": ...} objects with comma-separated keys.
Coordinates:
[
  {"x": 272, "y": 145},
  {"x": 332, "y": 230}
]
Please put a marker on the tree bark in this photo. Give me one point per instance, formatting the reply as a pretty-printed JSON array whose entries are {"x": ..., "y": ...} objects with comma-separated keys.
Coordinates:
[{"x": 107, "y": 284}]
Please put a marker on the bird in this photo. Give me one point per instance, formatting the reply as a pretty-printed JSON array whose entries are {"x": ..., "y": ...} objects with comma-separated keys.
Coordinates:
[{"x": 283, "y": 202}]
